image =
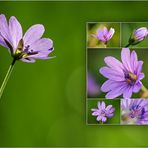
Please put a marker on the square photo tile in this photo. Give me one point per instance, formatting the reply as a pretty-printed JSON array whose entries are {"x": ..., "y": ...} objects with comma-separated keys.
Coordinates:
[
  {"x": 134, "y": 111},
  {"x": 117, "y": 73},
  {"x": 103, "y": 35},
  {"x": 102, "y": 112},
  {"x": 134, "y": 34}
]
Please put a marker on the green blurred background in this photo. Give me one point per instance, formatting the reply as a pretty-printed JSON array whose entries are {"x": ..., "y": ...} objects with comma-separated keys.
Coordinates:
[
  {"x": 94, "y": 42},
  {"x": 44, "y": 103},
  {"x": 127, "y": 30},
  {"x": 93, "y": 104}
]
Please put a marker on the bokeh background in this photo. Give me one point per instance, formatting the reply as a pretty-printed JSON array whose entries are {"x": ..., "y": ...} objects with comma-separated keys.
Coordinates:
[
  {"x": 114, "y": 120},
  {"x": 92, "y": 30},
  {"x": 95, "y": 60},
  {"x": 127, "y": 30},
  {"x": 44, "y": 103}
]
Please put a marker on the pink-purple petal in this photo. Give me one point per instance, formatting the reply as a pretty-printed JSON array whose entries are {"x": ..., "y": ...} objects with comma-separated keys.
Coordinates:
[
  {"x": 15, "y": 31},
  {"x": 115, "y": 92},
  {"x": 137, "y": 87},
  {"x": 104, "y": 119},
  {"x": 125, "y": 57},
  {"x": 114, "y": 64},
  {"x": 33, "y": 34},
  {"x": 4, "y": 30},
  {"x": 112, "y": 74},
  {"x": 128, "y": 92}
]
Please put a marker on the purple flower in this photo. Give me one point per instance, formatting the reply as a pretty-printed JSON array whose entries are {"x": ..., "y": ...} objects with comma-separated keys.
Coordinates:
[
  {"x": 93, "y": 89},
  {"x": 103, "y": 112},
  {"x": 138, "y": 35},
  {"x": 27, "y": 48},
  {"x": 134, "y": 111},
  {"x": 123, "y": 78},
  {"x": 104, "y": 35}
]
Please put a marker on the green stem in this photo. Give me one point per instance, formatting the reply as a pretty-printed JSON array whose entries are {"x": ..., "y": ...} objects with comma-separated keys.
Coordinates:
[
  {"x": 128, "y": 45},
  {"x": 144, "y": 92},
  {"x": 7, "y": 77},
  {"x": 105, "y": 44},
  {"x": 144, "y": 88}
]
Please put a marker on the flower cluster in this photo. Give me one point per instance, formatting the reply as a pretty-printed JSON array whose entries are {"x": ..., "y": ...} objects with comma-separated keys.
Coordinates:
[
  {"x": 124, "y": 77},
  {"x": 103, "y": 112},
  {"x": 27, "y": 48},
  {"x": 134, "y": 111}
]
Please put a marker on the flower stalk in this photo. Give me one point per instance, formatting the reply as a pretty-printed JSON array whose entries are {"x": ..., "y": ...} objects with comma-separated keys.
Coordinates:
[
  {"x": 144, "y": 92},
  {"x": 10, "y": 69}
]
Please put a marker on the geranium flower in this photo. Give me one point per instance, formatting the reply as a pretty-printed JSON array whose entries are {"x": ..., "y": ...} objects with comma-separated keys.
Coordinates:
[
  {"x": 123, "y": 78},
  {"x": 104, "y": 35},
  {"x": 27, "y": 48},
  {"x": 134, "y": 111},
  {"x": 103, "y": 112}
]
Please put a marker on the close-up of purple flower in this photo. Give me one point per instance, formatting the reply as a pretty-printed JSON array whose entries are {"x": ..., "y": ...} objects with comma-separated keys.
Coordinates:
[
  {"x": 124, "y": 78},
  {"x": 134, "y": 111},
  {"x": 27, "y": 48},
  {"x": 103, "y": 111},
  {"x": 138, "y": 35},
  {"x": 104, "y": 35}
]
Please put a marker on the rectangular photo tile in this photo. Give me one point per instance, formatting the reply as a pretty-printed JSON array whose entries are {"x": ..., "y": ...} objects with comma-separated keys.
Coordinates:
[
  {"x": 117, "y": 73},
  {"x": 134, "y": 34},
  {"x": 134, "y": 111},
  {"x": 103, "y": 111},
  {"x": 103, "y": 35}
]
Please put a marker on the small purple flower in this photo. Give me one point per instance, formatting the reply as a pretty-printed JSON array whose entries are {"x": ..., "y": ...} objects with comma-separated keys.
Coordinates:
[
  {"x": 27, "y": 48},
  {"x": 138, "y": 35},
  {"x": 103, "y": 112},
  {"x": 93, "y": 89},
  {"x": 123, "y": 78},
  {"x": 134, "y": 111},
  {"x": 104, "y": 35}
]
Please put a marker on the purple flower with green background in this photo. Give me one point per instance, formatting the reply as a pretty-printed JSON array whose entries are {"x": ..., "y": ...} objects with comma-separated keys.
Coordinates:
[
  {"x": 137, "y": 36},
  {"x": 103, "y": 112},
  {"x": 102, "y": 35},
  {"x": 27, "y": 48},
  {"x": 124, "y": 78},
  {"x": 134, "y": 111}
]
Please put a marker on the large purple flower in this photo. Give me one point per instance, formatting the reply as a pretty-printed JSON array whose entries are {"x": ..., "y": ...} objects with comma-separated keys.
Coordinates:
[
  {"x": 134, "y": 111},
  {"x": 104, "y": 35},
  {"x": 123, "y": 78},
  {"x": 27, "y": 48},
  {"x": 103, "y": 112}
]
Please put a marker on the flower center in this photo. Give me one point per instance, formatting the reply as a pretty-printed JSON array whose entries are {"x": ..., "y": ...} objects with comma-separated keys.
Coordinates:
[
  {"x": 22, "y": 52},
  {"x": 103, "y": 112},
  {"x": 131, "y": 78},
  {"x": 136, "y": 112}
]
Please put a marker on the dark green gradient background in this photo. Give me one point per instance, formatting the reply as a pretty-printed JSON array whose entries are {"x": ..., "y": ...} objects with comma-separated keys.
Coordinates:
[{"x": 44, "y": 103}]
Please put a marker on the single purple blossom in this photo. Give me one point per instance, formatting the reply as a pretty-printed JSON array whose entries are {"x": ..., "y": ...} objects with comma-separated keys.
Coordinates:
[
  {"x": 104, "y": 35},
  {"x": 27, "y": 48},
  {"x": 93, "y": 89},
  {"x": 138, "y": 35},
  {"x": 103, "y": 112},
  {"x": 134, "y": 111},
  {"x": 123, "y": 78}
]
